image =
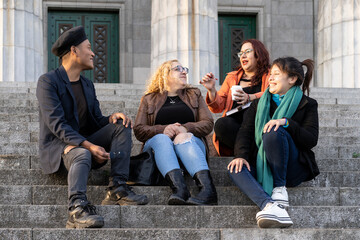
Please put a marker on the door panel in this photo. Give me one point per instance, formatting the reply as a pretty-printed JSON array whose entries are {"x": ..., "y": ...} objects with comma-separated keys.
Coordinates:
[
  {"x": 102, "y": 31},
  {"x": 233, "y": 30}
]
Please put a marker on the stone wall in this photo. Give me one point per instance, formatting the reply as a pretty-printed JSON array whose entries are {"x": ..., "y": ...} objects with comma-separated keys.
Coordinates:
[{"x": 141, "y": 42}]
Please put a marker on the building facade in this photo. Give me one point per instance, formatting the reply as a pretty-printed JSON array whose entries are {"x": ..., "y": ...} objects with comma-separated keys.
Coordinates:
[{"x": 132, "y": 37}]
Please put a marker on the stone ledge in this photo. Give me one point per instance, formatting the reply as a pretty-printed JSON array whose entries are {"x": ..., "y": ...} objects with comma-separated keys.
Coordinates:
[
  {"x": 100, "y": 178},
  {"x": 158, "y": 195},
  {"x": 195, "y": 217},
  {"x": 180, "y": 234}
]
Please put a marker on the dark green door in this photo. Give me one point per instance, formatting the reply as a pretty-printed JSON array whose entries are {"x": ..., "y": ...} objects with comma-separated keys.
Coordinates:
[
  {"x": 233, "y": 30},
  {"x": 102, "y": 29}
]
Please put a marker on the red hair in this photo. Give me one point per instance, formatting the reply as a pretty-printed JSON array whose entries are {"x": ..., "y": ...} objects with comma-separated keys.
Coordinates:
[{"x": 262, "y": 58}]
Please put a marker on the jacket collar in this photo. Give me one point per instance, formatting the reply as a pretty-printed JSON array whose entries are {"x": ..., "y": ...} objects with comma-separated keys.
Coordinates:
[
  {"x": 65, "y": 78},
  {"x": 303, "y": 102},
  {"x": 64, "y": 75}
]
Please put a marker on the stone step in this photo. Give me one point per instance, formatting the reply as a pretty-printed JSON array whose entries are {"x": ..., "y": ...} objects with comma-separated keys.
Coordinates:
[
  {"x": 290, "y": 234},
  {"x": 314, "y": 90},
  {"x": 195, "y": 217},
  {"x": 25, "y": 99},
  {"x": 181, "y": 234},
  {"x": 339, "y": 131},
  {"x": 22, "y": 118},
  {"x": 31, "y": 148},
  {"x": 32, "y": 85},
  {"x": 132, "y": 111},
  {"x": 10, "y": 99},
  {"x": 338, "y": 107},
  {"x": 100, "y": 178},
  {"x": 328, "y": 127},
  {"x": 111, "y": 234},
  {"x": 341, "y": 122},
  {"x": 25, "y": 136},
  {"x": 32, "y": 136},
  {"x": 336, "y": 164},
  {"x": 178, "y": 233},
  {"x": 351, "y": 164},
  {"x": 339, "y": 114},
  {"x": 321, "y": 152},
  {"x": 158, "y": 195}
]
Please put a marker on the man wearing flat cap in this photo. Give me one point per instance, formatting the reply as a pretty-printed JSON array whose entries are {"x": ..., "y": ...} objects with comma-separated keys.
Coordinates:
[{"x": 75, "y": 134}]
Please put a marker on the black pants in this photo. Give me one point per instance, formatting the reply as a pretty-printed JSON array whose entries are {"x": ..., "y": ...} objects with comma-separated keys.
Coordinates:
[
  {"x": 114, "y": 138},
  {"x": 226, "y": 129}
]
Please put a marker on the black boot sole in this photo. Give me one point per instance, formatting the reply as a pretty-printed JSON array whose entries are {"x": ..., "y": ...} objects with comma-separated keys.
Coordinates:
[
  {"x": 96, "y": 224},
  {"x": 194, "y": 201},
  {"x": 124, "y": 202},
  {"x": 176, "y": 201}
]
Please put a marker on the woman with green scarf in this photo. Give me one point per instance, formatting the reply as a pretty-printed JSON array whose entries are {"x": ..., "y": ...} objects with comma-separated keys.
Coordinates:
[{"x": 273, "y": 146}]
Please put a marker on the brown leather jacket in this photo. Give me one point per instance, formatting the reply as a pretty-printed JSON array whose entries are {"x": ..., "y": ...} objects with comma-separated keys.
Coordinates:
[{"x": 151, "y": 103}]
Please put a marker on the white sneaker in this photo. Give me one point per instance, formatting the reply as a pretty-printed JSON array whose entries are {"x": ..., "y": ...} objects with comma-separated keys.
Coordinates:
[
  {"x": 273, "y": 215},
  {"x": 280, "y": 195}
]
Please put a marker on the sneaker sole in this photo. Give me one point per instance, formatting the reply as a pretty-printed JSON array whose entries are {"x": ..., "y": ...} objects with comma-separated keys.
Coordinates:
[
  {"x": 272, "y": 221},
  {"x": 97, "y": 224},
  {"x": 124, "y": 202}
]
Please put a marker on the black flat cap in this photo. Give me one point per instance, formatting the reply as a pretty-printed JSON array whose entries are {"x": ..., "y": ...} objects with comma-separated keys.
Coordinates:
[{"x": 72, "y": 37}]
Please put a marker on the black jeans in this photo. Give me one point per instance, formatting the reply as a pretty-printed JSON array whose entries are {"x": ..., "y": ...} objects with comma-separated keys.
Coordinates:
[
  {"x": 226, "y": 129},
  {"x": 114, "y": 138}
]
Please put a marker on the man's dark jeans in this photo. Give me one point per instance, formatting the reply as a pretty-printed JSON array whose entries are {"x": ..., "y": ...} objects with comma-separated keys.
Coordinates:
[{"x": 114, "y": 138}]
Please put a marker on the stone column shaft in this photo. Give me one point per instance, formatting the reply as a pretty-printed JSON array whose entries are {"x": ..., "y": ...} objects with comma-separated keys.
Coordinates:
[
  {"x": 21, "y": 40},
  {"x": 339, "y": 43},
  {"x": 186, "y": 30}
]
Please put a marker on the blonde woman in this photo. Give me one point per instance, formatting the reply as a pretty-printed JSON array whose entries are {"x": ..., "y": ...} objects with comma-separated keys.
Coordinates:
[{"x": 173, "y": 121}]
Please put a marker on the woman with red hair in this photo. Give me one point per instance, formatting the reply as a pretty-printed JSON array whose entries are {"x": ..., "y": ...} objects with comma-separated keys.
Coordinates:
[{"x": 252, "y": 75}]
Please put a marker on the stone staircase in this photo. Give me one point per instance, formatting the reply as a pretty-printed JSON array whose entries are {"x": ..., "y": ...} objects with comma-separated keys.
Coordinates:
[{"x": 33, "y": 205}]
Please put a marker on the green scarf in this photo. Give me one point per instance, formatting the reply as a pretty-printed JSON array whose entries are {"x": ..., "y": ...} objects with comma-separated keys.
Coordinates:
[{"x": 286, "y": 109}]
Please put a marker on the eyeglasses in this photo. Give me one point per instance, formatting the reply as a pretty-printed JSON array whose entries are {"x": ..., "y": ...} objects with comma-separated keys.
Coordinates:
[
  {"x": 244, "y": 52},
  {"x": 179, "y": 68}
]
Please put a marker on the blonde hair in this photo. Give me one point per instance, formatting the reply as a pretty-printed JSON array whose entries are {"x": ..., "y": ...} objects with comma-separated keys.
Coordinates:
[{"x": 159, "y": 80}]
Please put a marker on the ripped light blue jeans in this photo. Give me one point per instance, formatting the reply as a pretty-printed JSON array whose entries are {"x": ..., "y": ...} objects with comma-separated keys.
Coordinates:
[{"x": 191, "y": 153}]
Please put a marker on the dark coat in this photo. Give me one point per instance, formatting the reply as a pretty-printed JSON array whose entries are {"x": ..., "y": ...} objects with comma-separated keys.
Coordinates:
[
  {"x": 59, "y": 123},
  {"x": 303, "y": 128}
]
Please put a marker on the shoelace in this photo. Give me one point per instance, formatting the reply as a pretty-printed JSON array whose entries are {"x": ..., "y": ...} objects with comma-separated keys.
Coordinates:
[
  {"x": 89, "y": 208},
  {"x": 128, "y": 189},
  {"x": 278, "y": 190}
]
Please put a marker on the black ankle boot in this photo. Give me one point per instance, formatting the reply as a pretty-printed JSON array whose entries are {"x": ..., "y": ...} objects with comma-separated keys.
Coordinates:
[
  {"x": 83, "y": 215},
  {"x": 207, "y": 194},
  {"x": 178, "y": 187}
]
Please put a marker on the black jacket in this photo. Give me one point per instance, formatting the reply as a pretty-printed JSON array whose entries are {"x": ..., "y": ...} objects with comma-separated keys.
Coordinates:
[
  {"x": 303, "y": 128},
  {"x": 58, "y": 117}
]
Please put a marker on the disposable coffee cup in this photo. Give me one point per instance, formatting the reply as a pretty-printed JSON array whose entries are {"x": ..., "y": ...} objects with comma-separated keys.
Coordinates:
[{"x": 234, "y": 90}]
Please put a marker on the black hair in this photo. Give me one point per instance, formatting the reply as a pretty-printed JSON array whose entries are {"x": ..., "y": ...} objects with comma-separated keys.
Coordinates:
[{"x": 294, "y": 67}]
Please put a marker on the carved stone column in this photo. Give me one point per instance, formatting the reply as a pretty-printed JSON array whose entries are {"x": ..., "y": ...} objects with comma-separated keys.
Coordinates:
[
  {"x": 186, "y": 30},
  {"x": 339, "y": 43},
  {"x": 21, "y": 40}
]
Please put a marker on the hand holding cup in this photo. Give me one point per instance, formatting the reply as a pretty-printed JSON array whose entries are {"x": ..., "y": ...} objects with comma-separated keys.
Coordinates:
[{"x": 237, "y": 94}]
